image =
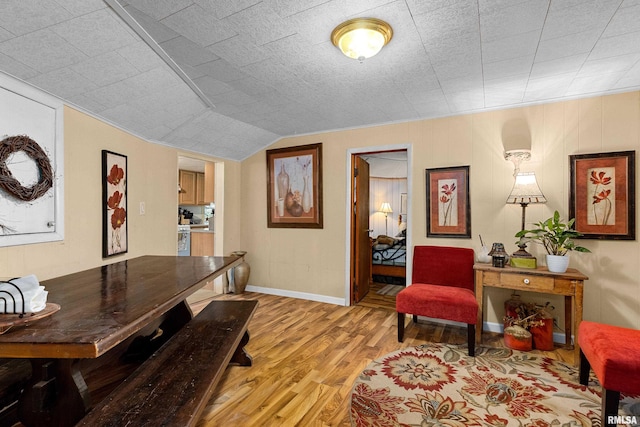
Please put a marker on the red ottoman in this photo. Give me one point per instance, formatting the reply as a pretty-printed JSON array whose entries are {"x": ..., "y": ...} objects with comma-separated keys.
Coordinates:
[{"x": 614, "y": 355}]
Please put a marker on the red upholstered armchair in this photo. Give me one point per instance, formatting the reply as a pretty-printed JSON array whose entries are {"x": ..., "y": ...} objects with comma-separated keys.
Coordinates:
[{"x": 442, "y": 287}]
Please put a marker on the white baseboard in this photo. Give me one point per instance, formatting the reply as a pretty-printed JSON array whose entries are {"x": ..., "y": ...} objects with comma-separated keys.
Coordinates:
[
  {"x": 491, "y": 327},
  {"x": 558, "y": 337},
  {"x": 487, "y": 326},
  {"x": 294, "y": 294}
]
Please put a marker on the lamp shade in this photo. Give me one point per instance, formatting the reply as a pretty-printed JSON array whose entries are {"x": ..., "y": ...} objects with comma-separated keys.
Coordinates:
[
  {"x": 361, "y": 38},
  {"x": 386, "y": 208},
  {"x": 526, "y": 190}
]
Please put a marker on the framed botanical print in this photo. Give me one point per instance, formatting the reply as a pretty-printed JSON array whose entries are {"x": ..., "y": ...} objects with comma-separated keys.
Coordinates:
[
  {"x": 448, "y": 202},
  {"x": 114, "y": 204},
  {"x": 294, "y": 187},
  {"x": 602, "y": 195}
]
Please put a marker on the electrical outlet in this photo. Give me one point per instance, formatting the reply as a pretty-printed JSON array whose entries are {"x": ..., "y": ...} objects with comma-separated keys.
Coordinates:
[{"x": 142, "y": 208}]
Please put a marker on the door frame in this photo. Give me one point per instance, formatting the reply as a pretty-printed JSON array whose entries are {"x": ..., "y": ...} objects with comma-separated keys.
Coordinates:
[{"x": 348, "y": 213}]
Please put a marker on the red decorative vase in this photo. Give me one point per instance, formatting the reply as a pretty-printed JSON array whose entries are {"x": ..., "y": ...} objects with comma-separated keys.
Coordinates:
[
  {"x": 518, "y": 338},
  {"x": 543, "y": 335},
  {"x": 511, "y": 309}
]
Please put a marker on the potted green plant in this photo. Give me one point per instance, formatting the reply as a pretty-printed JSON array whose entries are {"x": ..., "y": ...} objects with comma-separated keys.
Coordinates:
[{"x": 557, "y": 237}]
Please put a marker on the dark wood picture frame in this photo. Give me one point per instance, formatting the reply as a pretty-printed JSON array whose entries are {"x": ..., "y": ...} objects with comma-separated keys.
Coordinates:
[
  {"x": 602, "y": 195},
  {"x": 115, "y": 236},
  {"x": 448, "y": 202},
  {"x": 294, "y": 187}
]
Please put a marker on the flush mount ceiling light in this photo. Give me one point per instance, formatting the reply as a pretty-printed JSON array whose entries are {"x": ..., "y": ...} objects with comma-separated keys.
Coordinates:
[{"x": 361, "y": 38}]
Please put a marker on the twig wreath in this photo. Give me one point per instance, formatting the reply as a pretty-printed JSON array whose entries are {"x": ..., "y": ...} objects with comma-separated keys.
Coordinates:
[{"x": 13, "y": 144}]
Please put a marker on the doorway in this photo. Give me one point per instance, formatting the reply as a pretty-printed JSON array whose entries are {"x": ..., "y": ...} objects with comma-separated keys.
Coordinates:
[{"x": 378, "y": 222}]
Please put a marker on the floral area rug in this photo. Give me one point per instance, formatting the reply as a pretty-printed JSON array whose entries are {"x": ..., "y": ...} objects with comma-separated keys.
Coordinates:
[{"x": 438, "y": 384}]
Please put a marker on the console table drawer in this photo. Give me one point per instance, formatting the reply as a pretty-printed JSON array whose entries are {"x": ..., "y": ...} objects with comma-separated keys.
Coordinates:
[{"x": 524, "y": 282}]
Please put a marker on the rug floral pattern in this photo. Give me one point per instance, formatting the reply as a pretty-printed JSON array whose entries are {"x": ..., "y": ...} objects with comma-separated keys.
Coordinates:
[{"x": 440, "y": 385}]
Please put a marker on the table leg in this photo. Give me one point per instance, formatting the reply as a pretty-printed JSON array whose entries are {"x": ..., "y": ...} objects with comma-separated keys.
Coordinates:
[
  {"x": 176, "y": 318},
  {"x": 479, "y": 299},
  {"x": 240, "y": 356},
  {"x": 577, "y": 303},
  {"x": 568, "y": 314},
  {"x": 144, "y": 346},
  {"x": 56, "y": 394}
]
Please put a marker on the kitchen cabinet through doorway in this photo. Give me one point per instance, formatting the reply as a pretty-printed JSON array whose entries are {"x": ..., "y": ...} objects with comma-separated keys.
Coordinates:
[
  {"x": 201, "y": 243},
  {"x": 197, "y": 188}
]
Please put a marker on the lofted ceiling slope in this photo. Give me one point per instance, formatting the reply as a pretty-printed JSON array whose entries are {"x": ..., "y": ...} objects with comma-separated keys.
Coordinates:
[{"x": 228, "y": 78}]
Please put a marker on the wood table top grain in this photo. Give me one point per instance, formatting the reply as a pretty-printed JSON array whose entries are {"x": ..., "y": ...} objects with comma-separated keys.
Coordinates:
[{"x": 103, "y": 306}]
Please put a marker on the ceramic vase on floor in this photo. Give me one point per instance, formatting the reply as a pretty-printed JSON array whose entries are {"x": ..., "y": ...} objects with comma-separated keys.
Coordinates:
[
  {"x": 543, "y": 335},
  {"x": 512, "y": 310},
  {"x": 518, "y": 338},
  {"x": 240, "y": 273}
]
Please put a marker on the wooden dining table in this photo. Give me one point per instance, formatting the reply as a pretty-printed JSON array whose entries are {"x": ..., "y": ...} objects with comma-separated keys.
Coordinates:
[{"x": 134, "y": 306}]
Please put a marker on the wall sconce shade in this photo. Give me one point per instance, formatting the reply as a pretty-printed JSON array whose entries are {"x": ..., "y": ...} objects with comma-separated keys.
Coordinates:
[
  {"x": 526, "y": 190},
  {"x": 361, "y": 38}
]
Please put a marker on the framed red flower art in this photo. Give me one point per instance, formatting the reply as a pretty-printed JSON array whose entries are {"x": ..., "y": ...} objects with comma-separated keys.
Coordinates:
[
  {"x": 602, "y": 195},
  {"x": 114, "y": 204},
  {"x": 448, "y": 207}
]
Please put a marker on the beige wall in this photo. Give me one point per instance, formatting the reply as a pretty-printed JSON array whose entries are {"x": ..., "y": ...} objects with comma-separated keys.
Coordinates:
[
  {"x": 307, "y": 261},
  {"x": 84, "y": 139},
  {"x": 152, "y": 178},
  {"x": 315, "y": 261}
]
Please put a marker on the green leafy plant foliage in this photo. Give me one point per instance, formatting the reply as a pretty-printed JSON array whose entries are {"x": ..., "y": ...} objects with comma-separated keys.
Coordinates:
[{"x": 555, "y": 235}]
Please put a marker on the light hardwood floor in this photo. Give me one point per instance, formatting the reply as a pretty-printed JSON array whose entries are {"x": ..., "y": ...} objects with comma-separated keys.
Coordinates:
[{"x": 306, "y": 356}]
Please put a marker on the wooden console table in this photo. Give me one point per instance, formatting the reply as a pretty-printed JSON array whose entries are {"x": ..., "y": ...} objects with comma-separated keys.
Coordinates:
[{"x": 570, "y": 284}]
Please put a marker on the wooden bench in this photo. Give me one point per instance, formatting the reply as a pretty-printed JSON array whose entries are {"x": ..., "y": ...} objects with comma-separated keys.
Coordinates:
[
  {"x": 173, "y": 386},
  {"x": 14, "y": 375}
]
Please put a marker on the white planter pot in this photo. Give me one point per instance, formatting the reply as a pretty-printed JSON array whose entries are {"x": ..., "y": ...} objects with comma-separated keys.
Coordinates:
[{"x": 557, "y": 263}]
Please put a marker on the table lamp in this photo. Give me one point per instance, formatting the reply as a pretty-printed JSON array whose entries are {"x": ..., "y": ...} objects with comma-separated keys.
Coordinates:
[
  {"x": 386, "y": 210},
  {"x": 525, "y": 192}
]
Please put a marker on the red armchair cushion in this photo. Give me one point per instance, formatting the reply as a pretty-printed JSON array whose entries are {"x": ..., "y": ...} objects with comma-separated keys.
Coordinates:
[
  {"x": 436, "y": 301},
  {"x": 443, "y": 265},
  {"x": 614, "y": 355}
]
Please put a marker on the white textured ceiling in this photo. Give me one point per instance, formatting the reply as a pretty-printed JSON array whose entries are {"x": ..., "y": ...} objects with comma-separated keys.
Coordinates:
[
  {"x": 388, "y": 164},
  {"x": 255, "y": 71}
]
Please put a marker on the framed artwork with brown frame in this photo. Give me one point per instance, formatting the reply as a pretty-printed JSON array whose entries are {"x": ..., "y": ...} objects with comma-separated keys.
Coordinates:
[
  {"x": 602, "y": 195},
  {"x": 294, "y": 187},
  {"x": 114, "y": 204},
  {"x": 448, "y": 202}
]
